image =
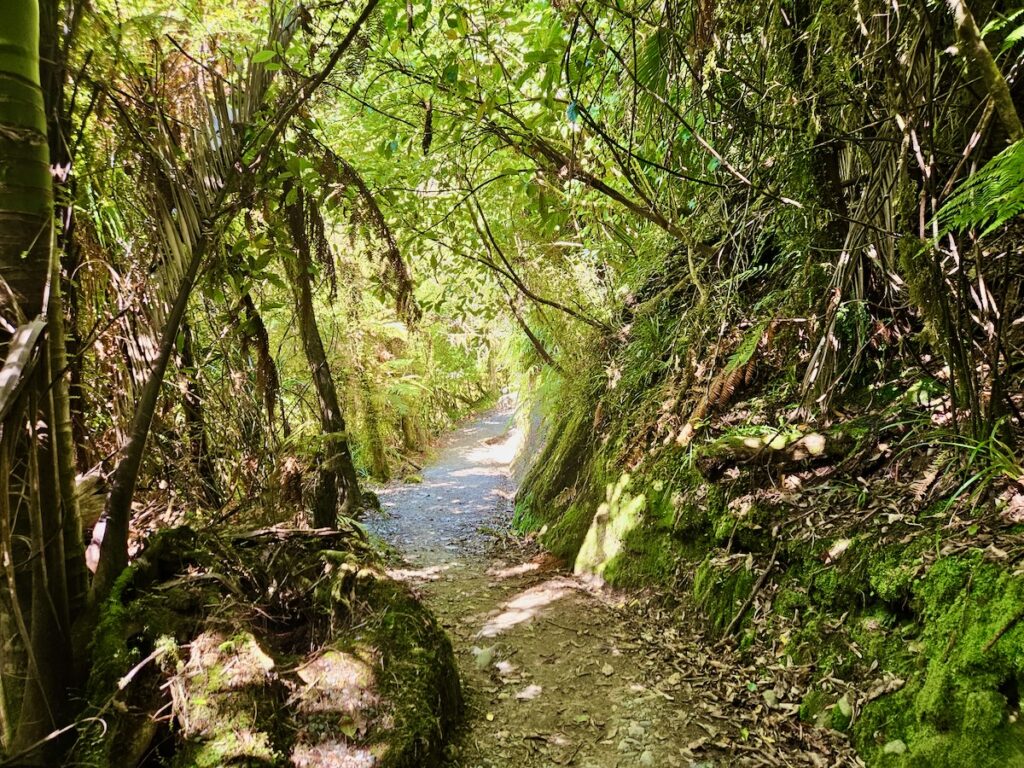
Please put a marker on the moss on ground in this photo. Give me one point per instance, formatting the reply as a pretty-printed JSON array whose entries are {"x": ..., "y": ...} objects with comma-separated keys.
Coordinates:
[
  {"x": 962, "y": 708},
  {"x": 224, "y": 640}
]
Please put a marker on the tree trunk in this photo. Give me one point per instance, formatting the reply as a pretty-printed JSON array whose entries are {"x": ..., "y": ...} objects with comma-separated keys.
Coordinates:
[
  {"x": 371, "y": 418},
  {"x": 973, "y": 48},
  {"x": 412, "y": 434},
  {"x": 538, "y": 345},
  {"x": 337, "y": 484},
  {"x": 36, "y": 607},
  {"x": 195, "y": 424},
  {"x": 65, "y": 353},
  {"x": 255, "y": 332},
  {"x": 26, "y": 197},
  {"x": 114, "y": 549}
]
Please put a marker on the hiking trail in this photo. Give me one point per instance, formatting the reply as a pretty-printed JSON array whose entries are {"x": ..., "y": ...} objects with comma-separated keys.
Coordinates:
[{"x": 554, "y": 669}]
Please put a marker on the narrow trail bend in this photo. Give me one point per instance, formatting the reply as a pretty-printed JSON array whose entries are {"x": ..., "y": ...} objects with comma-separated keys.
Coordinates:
[{"x": 553, "y": 670}]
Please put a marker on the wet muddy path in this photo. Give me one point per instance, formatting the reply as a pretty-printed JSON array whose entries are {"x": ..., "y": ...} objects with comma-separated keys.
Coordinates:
[{"x": 555, "y": 672}]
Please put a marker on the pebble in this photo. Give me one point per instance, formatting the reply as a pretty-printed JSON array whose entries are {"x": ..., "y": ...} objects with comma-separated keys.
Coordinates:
[
  {"x": 647, "y": 758},
  {"x": 636, "y": 730}
]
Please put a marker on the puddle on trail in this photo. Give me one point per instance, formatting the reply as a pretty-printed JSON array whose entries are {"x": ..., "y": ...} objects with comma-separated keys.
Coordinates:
[{"x": 552, "y": 670}]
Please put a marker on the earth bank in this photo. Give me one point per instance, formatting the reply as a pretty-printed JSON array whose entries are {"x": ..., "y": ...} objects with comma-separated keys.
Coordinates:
[{"x": 875, "y": 584}]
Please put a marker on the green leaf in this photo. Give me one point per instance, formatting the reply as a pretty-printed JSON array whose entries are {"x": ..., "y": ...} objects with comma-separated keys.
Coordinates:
[{"x": 541, "y": 57}]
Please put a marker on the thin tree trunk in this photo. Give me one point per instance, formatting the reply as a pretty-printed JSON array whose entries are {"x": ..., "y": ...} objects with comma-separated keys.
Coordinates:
[
  {"x": 195, "y": 424},
  {"x": 114, "y": 549},
  {"x": 412, "y": 434},
  {"x": 537, "y": 344},
  {"x": 67, "y": 414},
  {"x": 973, "y": 48},
  {"x": 266, "y": 369},
  {"x": 371, "y": 418},
  {"x": 337, "y": 485}
]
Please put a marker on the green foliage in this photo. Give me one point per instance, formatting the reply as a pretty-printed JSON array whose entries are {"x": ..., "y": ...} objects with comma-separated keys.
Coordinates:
[
  {"x": 958, "y": 711},
  {"x": 991, "y": 197},
  {"x": 1004, "y": 22},
  {"x": 980, "y": 462},
  {"x": 747, "y": 347}
]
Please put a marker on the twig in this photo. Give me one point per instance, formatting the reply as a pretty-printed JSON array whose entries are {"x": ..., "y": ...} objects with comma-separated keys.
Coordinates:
[
  {"x": 98, "y": 717},
  {"x": 126, "y": 680},
  {"x": 1005, "y": 628},
  {"x": 750, "y": 598}
]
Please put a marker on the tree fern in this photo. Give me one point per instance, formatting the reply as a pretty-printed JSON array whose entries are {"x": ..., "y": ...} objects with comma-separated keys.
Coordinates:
[{"x": 989, "y": 198}]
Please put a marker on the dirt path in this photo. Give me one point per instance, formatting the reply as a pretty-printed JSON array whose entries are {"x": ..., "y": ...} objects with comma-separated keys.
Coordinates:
[{"x": 554, "y": 671}]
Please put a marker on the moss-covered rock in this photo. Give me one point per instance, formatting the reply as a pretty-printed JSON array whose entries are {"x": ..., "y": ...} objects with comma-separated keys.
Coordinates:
[
  {"x": 720, "y": 586},
  {"x": 615, "y": 518},
  {"x": 295, "y": 650},
  {"x": 558, "y": 469}
]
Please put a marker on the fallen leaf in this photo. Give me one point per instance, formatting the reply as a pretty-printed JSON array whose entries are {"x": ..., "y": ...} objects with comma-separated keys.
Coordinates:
[
  {"x": 529, "y": 693},
  {"x": 483, "y": 656},
  {"x": 837, "y": 549}
]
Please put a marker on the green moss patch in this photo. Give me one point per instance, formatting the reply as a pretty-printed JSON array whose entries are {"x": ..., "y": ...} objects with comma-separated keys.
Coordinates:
[
  {"x": 720, "y": 586},
  {"x": 963, "y": 707},
  {"x": 556, "y": 473},
  {"x": 295, "y": 650}
]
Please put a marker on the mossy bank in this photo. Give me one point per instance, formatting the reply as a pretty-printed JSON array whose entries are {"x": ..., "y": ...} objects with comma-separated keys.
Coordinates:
[
  {"x": 854, "y": 541},
  {"x": 276, "y": 648}
]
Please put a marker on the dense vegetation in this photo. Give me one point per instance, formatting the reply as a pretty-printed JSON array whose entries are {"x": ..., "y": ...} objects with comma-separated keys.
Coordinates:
[{"x": 755, "y": 272}]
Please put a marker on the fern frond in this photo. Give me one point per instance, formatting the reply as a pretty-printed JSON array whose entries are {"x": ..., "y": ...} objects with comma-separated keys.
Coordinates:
[
  {"x": 745, "y": 351},
  {"x": 989, "y": 198}
]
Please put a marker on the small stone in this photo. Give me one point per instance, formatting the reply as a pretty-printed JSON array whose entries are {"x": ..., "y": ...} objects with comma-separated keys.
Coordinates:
[
  {"x": 647, "y": 758},
  {"x": 636, "y": 730}
]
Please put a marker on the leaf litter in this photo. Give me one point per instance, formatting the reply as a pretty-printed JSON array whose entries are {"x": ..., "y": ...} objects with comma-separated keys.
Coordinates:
[{"x": 571, "y": 673}]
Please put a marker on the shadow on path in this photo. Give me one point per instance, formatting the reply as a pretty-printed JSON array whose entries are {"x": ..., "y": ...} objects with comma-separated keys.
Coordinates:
[{"x": 553, "y": 671}]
